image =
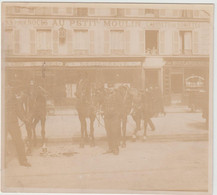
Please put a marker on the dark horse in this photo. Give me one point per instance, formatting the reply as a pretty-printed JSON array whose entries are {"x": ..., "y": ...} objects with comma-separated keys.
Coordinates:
[
  {"x": 34, "y": 102},
  {"x": 87, "y": 105}
]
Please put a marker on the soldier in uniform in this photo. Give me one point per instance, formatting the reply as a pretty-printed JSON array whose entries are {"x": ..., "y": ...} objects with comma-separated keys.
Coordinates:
[
  {"x": 112, "y": 118},
  {"x": 13, "y": 111}
]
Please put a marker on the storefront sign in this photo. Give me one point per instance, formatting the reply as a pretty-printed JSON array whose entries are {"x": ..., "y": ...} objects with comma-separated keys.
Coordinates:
[
  {"x": 187, "y": 63},
  {"x": 48, "y": 64},
  {"x": 194, "y": 82},
  {"x": 88, "y": 22},
  {"x": 103, "y": 64}
]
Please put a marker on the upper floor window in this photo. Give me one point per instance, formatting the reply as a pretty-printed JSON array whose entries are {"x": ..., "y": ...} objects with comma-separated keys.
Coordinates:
[
  {"x": 152, "y": 12},
  {"x": 82, "y": 12},
  {"x": 186, "y": 42},
  {"x": 44, "y": 41},
  {"x": 120, "y": 12},
  {"x": 117, "y": 41},
  {"x": 187, "y": 13},
  {"x": 151, "y": 42},
  {"x": 24, "y": 39},
  {"x": 9, "y": 41},
  {"x": 81, "y": 41}
]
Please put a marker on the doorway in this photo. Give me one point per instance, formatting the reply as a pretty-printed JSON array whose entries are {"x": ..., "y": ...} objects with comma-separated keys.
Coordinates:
[{"x": 176, "y": 88}]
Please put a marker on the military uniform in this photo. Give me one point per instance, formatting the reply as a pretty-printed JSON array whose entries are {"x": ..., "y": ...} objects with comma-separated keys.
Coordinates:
[
  {"x": 112, "y": 119},
  {"x": 13, "y": 110}
]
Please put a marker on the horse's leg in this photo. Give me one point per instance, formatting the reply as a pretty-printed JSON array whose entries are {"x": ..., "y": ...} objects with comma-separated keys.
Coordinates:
[
  {"x": 137, "y": 119},
  {"x": 124, "y": 126},
  {"x": 145, "y": 128},
  {"x": 29, "y": 138},
  {"x": 92, "y": 141},
  {"x": 85, "y": 131},
  {"x": 35, "y": 121},
  {"x": 82, "y": 121},
  {"x": 43, "y": 120}
]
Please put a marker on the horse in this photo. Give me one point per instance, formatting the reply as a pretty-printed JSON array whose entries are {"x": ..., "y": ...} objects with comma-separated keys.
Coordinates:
[
  {"x": 34, "y": 103},
  {"x": 125, "y": 109},
  {"x": 143, "y": 109},
  {"x": 87, "y": 105}
]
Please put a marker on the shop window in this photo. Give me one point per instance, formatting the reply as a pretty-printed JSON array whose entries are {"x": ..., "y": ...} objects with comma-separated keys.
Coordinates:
[
  {"x": 44, "y": 42},
  {"x": 81, "y": 41},
  {"x": 151, "y": 42},
  {"x": 186, "y": 42},
  {"x": 82, "y": 12},
  {"x": 9, "y": 41},
  {"x": 117, "y": 41}
]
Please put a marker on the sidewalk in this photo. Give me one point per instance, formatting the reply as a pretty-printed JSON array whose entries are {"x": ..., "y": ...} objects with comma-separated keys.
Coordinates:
[{"x": 65, "y": 125}]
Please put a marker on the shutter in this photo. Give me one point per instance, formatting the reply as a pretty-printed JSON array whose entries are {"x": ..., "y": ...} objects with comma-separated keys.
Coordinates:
[
  {"x": 127, "y": 36},
  {"x": 69, "y": 41},
  {"x": 142, "y": 42},
  {"x": 106, "y": 41},
  {"x": 55, "y": 41},
  {"x": 16, "y": 41},
  {"x": 91, "y": 42},
  {"x": 162, "y": 42},
  {"x": 195, "y": 42},
  {"x": 32, "y": 41},
  {"x": 175, "y": 42}
]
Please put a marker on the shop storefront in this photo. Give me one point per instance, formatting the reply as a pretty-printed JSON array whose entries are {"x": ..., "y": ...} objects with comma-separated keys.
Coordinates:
[{"x": 176, "y": 75}]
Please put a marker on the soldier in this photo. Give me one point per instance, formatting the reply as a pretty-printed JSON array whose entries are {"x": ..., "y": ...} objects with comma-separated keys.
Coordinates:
[
  {"x": 112, "y": 118},
  {"x": 13, "y": 111}
]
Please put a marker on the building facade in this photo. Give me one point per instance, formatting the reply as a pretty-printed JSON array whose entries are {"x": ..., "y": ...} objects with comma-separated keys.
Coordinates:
[{"x": 142, "y": 45}]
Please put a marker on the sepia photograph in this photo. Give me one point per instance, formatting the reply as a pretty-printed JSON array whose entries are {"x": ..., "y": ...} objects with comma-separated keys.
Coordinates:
[{"x": 107, "y": 98}]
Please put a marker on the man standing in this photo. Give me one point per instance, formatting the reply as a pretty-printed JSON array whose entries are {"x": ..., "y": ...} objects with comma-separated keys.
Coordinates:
[
  {"x": 112, "y": 118},
  {"x": 13, "y": 110}
]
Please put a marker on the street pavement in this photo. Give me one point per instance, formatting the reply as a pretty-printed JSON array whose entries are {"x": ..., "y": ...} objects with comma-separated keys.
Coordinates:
[
  {"x": 140, "y": 167},
  {"x": 179, "y": 123},
  {"x": 173, "y": 158}
]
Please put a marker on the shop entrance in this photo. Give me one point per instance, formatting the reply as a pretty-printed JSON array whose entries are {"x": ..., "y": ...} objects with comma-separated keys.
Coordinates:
[
  {"x": 176, "y": 88},
  {"x": 151, "y": 78}
]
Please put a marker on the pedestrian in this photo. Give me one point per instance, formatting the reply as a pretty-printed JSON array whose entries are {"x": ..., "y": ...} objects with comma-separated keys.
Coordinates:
[
  {"x": 159, "y": 103},
  {"x": 112, "y": 120},
  {"x": 13, "y": 111},
  {"x": 147, "y": 110},
  {"x": 136, "y": 112}
]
